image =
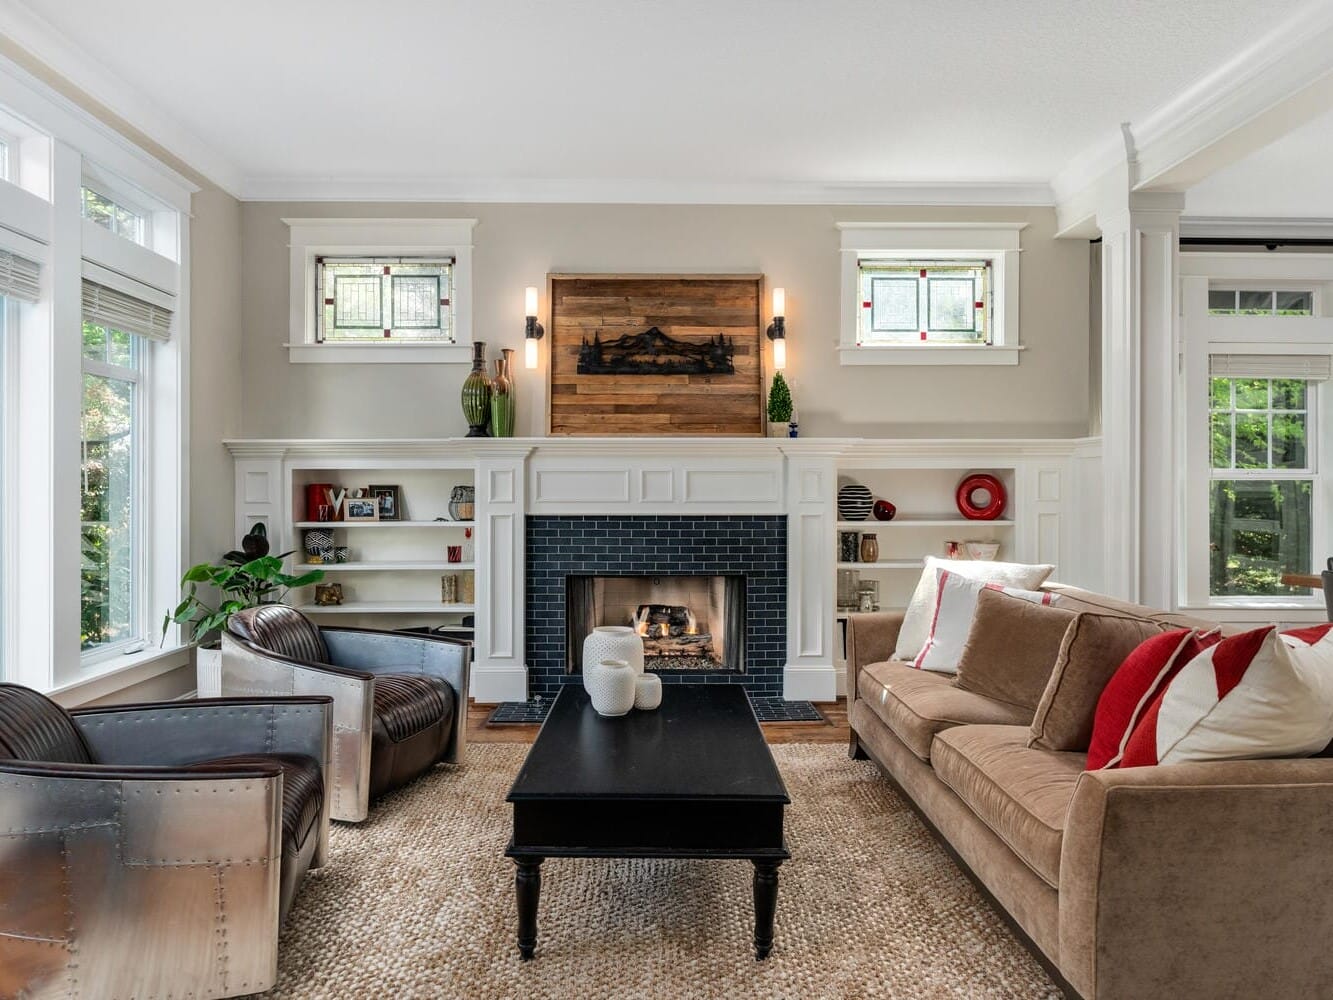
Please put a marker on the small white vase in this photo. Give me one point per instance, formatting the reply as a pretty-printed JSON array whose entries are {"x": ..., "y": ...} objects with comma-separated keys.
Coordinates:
[
  {"x": 647, "y": 692},
  {"x": 207, "y": 672},
  {"x": 610, "y": 684},
  {"x": 613, "y": 642}
]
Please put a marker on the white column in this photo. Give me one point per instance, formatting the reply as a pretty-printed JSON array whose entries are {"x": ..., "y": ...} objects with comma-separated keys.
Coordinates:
[
  {"x": 499, "y": 667},
  {"x": 1140, "y": 244},
  {"x": 811, "y": 481}
]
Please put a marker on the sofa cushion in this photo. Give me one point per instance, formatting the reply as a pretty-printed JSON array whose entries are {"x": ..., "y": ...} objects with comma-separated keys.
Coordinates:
[
  {"x": 1093, "y": 648},
  {"x": 282, "y": 630},
  {"x": 916, "y": 704},
  {"x": 1021, "y": 793},
  {"x": 1012, "y": 648},
  {"x": 413, "y": 726}
]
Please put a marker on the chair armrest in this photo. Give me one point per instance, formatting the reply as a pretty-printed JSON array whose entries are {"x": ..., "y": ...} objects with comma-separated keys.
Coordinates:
[
  {"x": 871, "y": 638},
  {"x": 185, "y": 732},
  {"x": 391, "y": 652},
  {"x": 102, "y": 861},
  {"x": 248, "y": 670},
  {"x": 1202, "y": 879}
]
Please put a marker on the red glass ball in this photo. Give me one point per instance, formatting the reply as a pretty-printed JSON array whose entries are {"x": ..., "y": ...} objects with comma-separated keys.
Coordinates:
[{"x": 883, "y": 510}]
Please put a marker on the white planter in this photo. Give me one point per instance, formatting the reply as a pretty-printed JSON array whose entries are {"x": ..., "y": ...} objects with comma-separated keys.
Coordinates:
[
  {"x": 778, "y": 430},
  {"x": 612, "y": 642},
  {"x": 610, "y": 684},
  {"x": 208, "y": 672},
  {"x": 647, "y": 692}
]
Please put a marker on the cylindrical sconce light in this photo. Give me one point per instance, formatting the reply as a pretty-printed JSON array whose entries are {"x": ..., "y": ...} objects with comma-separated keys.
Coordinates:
[
  {"x": 777, "y": 330},
  {"x": 533, "y": 331}
]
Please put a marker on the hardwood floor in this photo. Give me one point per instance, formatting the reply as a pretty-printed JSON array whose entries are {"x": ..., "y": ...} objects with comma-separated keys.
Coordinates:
[{"x": 834, "y": 730}]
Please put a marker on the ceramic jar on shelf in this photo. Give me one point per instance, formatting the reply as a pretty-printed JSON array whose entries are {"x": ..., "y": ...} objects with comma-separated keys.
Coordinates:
[
  {"x": 610, "y": 685},
  {"x": 854, "y": 502},
  {"x": 613, "y": 642},
  {"x": 869, "y": 548}
]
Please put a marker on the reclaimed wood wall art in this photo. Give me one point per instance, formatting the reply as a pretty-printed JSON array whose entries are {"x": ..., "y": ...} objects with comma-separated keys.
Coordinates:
[{"x": 660, "y": 354}]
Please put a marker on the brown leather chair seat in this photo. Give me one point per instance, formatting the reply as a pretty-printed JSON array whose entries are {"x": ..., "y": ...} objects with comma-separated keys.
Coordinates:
[{"x": 412, "y": 728}]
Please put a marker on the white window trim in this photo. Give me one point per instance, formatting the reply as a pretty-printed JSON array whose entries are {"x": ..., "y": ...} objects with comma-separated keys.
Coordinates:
[
  {"x": 998, "y": 242},
  {"x": 60, "y": 144},
  {"x": 311, "y": 238},
  {"x": 1203, "y": 334}
]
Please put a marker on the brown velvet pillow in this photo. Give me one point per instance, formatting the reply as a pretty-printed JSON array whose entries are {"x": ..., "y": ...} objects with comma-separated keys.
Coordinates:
[
  {"x": 1093, "y": 649},
  {"x": 1011, "y": 648}
]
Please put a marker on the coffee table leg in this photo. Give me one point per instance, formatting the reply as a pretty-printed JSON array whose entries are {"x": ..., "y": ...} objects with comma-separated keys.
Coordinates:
[
  {"x": 765, "y": 906},
  {"x": 528, "y": 887}
]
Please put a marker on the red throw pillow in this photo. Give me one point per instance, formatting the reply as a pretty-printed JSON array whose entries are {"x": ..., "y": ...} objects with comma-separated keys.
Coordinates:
[
  {"x": 1257, "y": 694},
  {"x": 1133, "y": 686}
]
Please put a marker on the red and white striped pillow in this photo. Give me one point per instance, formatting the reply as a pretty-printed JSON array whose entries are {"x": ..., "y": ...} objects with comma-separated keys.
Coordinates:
[
  {"x": 1257, "y": 694},
  {"x": 1135, "y": 684},
  {"x": 955, "y": 607}
]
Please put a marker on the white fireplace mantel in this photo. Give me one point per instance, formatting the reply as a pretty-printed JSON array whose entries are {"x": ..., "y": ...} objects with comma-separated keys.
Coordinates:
[{"x": 516, "y": 477}]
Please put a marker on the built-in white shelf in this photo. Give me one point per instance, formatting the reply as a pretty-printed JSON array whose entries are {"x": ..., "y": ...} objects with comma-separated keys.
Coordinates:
[
  {"x": 387, "y": 608},
  {"x": 884, "y": 564},
  {"x": 385, "y": 524},
  {"x": 383, "y": 566},
  {"x": 922, "y": 522}
]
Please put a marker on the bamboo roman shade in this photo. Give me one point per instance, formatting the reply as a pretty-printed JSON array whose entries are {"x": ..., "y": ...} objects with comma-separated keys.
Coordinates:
[
  {"x": 19, "y": 277},
  {"x": 109, "y": 307},
  {"x": 1311, "y": 367}
]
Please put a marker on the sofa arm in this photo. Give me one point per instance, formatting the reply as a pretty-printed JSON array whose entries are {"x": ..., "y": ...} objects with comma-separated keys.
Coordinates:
[
  {"x": 1204, "y": 879},
  {"x": 871, "y": 638},
  {"x": 124, "y": 881},
  {"x": 248, "y": 670},
  {"x": 377, "y": 652}
]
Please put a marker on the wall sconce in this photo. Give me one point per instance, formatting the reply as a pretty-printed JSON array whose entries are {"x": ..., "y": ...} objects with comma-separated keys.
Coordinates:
[
  {"x": 777, "y": 330},
  {"x": 533, "y": 331}
]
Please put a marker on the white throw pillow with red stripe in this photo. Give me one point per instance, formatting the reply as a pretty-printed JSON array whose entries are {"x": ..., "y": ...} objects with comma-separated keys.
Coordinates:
[
  {"x": 1134, "y": 685},
  {"x": 955, "y": 607},
  {"x": 1258, "y": 694}
]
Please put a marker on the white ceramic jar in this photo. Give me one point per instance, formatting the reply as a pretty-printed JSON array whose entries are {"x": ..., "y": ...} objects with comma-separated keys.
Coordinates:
[
  {"x": 613, "y": 642},
  {"x": 647, "y": 692},
  {"x": 610, "y": 684}
]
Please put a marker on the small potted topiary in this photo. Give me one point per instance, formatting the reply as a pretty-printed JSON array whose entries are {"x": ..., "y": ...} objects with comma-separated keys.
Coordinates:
[{"x": 779, "y": 407}]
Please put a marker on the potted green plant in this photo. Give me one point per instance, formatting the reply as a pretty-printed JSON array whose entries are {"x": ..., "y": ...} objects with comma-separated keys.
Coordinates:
[
  {"x": 779, "y": 407},
  {"x": 241, "y": 583}
]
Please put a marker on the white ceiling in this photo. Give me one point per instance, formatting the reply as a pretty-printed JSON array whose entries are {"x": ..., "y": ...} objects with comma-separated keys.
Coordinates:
[
  {"x": 1291, "y": 178},
  {"x": 581, "y": 94}
]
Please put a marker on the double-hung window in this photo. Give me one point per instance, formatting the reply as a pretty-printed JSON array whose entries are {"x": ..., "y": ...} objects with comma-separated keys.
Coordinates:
[
  {"x": 1256, "y": 493},
  {"x": 929, "y": 294},
  {"x": 111, "y": 501}
]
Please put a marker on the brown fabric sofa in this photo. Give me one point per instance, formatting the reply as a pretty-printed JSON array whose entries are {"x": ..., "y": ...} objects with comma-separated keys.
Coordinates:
[{"x": 1210, "y": 880}]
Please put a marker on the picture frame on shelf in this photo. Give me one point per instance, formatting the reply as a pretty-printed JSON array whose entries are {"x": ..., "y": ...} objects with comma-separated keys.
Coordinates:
[
  {"x": 328, "y": 595},
  {"x": 361, "y": 509},
  {"x": 390, "y": 501}
]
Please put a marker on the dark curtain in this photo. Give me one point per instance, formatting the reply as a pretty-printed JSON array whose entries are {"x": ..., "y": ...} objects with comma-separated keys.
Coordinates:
[
  {"x": 733, "y": 597},
  {"x": 579, "y": 619}
]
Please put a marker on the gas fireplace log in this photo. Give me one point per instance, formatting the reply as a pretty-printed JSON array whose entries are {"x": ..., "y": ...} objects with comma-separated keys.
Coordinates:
[{"x": 678, "y": 645}]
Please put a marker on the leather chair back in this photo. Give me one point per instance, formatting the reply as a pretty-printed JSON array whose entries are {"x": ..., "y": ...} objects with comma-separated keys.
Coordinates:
[
  {"x": 34, "y": 728},
  {"x": 281, "y": 630}
]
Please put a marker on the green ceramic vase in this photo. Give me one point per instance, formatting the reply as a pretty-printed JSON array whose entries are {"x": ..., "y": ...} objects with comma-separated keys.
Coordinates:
[
  {"x": 502, "y": 396},
  {"x": 477, "y": 393}
]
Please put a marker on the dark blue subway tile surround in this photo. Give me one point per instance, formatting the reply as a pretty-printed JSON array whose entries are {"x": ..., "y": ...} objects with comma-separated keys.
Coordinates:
[{"x": 606, "y": 545}]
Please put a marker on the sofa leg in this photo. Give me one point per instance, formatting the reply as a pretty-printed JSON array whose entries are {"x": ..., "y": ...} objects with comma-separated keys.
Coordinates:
[{"x": 855, "y": 751}]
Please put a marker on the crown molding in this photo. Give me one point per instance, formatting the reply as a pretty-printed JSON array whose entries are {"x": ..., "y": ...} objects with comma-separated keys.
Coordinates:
[
  {"x": 644, "y": 192},
  {"x": 1219, "y": 227},
  {"x": 40, "y": 39}
]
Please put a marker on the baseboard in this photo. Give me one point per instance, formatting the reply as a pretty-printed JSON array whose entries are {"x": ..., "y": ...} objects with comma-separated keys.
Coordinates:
[
  {"x": 491, "y": 685},
  {"x": 804, "y": 683}
]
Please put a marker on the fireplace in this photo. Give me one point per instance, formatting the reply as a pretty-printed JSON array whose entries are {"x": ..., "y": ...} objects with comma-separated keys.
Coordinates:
[{"x": 689, "y": 622}]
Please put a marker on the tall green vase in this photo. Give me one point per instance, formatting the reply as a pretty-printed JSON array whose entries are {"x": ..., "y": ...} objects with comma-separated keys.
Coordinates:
[
  {"x": 503, "y": 397},
  {"x": 477, "y": 393}
]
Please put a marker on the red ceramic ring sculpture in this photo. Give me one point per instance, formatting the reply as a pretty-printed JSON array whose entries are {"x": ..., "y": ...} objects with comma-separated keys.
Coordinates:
[{"x": 995, "y": 497}]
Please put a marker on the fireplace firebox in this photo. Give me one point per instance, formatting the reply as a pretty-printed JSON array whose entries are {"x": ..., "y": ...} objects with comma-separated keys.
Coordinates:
[{"x": 687, "y": 622}]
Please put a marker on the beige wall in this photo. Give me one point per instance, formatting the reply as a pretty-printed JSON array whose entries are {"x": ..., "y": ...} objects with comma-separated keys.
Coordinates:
[{"x": 796, "y": 247}]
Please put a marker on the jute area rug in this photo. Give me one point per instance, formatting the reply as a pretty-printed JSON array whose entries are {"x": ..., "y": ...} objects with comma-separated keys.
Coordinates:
[{"x": 419, "y": 902}]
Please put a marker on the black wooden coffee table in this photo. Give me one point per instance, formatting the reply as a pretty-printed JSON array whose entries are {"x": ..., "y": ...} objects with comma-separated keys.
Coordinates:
[{"x": 693, "y": 779}]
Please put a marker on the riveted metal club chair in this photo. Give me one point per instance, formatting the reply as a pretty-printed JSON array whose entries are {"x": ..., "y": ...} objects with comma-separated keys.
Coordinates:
[
  {"x": 399, "y": 701},
  {"x": 153, "y": 850}
]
